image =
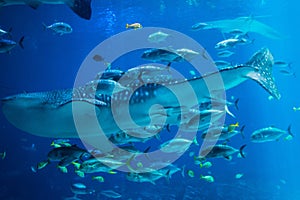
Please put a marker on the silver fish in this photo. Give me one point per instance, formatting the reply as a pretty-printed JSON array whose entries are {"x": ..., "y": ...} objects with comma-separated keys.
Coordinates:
[
  {"x": 146, "y": 176},
  {"x": 232, "y": 42},
  {"x": 93, "y": 165},
  {"x": 269, "y": 134},
  {"x": 162, "y": 55},
  {"x": 282, "y": 64},
  {"x": 80, "y": 188},
  {"x": 59, "y": 28},
  {"x": 158, "y": 37},
  {"x": 49, "y": 114},
  {"x": 222, "y": 64},
  {"x": 81, "y": 7},
  {"x": 111, "y": 194},
  {"x": 225, "y": 53}
]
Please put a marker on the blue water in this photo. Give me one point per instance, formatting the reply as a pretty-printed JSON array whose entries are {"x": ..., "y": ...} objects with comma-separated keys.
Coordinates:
[{"x": 49, "y": 61}]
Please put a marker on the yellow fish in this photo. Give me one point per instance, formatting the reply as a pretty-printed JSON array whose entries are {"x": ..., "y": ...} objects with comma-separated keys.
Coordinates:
[
  {"x": 62, "y": 169},
  {"x": 238, "y": 176},
  {"x": 98, "y": 178},
  {"x": 191, "y": 173},
  {"x": 42, "y": 164},
  {"x": 134, "y": 26},
  {"x": 112, "y": 172},
  {"x": 231, "y": 127},
  {"x": 76, "y": 165},
  {"x": 209, "y": 179},
  {"x": 206, "y": 165},
  {"x": 79, "y": 173},
  {"x": 55, "y": 145},
  {"x": 296, "y": 109}
]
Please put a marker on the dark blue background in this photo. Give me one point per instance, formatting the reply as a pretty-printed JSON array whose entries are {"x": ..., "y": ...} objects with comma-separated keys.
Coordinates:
[{"x": 51, "y": 62}]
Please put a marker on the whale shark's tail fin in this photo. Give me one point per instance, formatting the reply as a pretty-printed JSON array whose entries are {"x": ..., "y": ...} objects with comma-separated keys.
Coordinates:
[
  {"x": 81, "y": 7},
  {"x": 262, "y": 62}
]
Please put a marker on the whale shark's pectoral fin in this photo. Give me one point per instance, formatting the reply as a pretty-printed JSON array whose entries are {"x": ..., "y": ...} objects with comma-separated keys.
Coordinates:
[{"x": 81, "y": 7}]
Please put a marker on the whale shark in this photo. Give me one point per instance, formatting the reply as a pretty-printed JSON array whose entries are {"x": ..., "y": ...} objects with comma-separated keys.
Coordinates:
[{"x": 50, "y": 113}]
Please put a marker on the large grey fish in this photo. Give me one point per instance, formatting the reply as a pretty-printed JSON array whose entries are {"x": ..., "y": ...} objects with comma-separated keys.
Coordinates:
[
  {"x": 64, "y": 155},
  {"x": 269, "y": 134},
  {"x": 220, "y": 151},
  {"x": 49, "y": 114},
  {"x": 81, "y": 7}
]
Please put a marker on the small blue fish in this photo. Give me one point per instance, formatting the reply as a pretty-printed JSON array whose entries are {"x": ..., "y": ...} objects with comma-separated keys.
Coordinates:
[
  {"x": 111, "y": 194},
  {"x": 225, "y": 53}
]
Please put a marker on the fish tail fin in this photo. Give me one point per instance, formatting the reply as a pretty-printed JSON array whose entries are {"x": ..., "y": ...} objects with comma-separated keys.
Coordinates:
[
  {"x": 82, "y": 8},
  {"x": 21, "y": 42},
  {"x": 44, "y": 26},
  {"x": 168, "y": 176},
  {"x": 168, "y": 128},
  {"x": 157, "y": 136},
  {"x": 236, "y": 103},
  {"x": 42, "y": 164},
  {"x": 127, "y": 25},
  {"x": 242, "y": 131},
  {"x": 262, "y": 63},
  {"x": 241, "y": 150},
  {"x": 182, "y": 171},
  {"x": 289, "y": 131},
  {"x": 229, "y": 112},
  {"x": 146, "y": 153},
  {"x": 9, "y": 32},
  {"x": 195, "y": 141},
  {"x": 128, "y": 163}
]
